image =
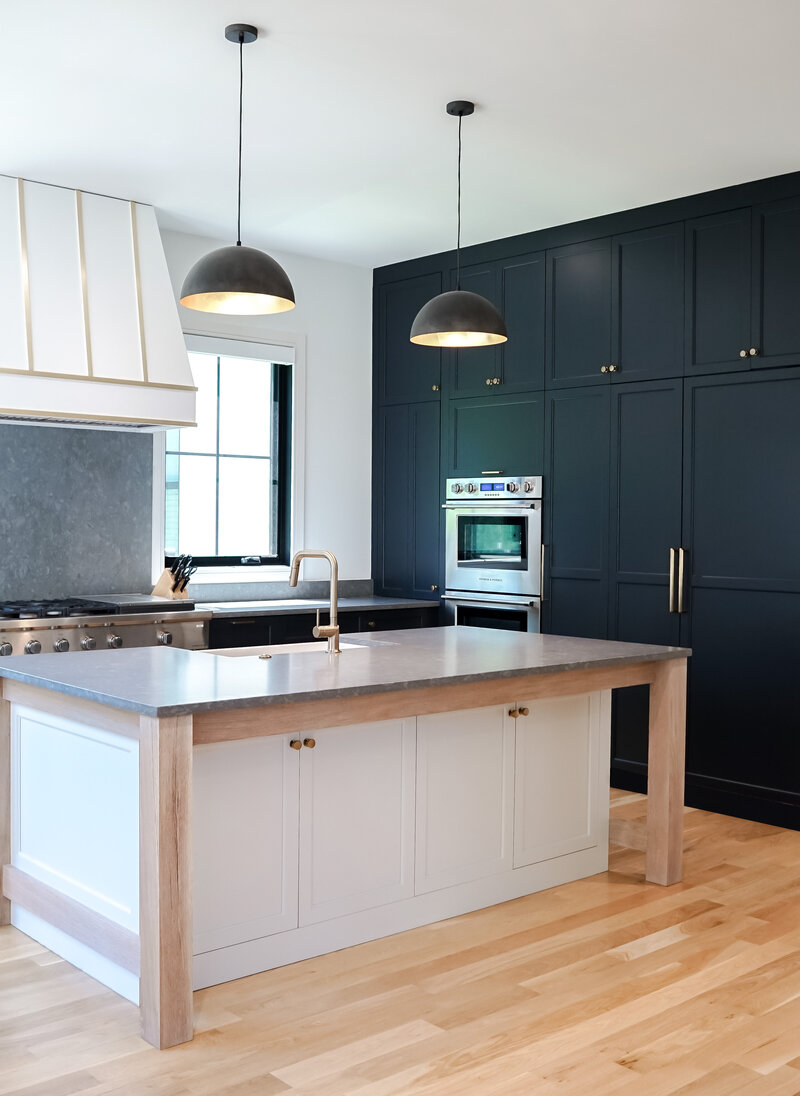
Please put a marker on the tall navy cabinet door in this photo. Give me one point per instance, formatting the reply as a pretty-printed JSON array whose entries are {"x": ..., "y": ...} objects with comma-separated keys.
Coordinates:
[
  {"x": 406, "y": 510},
  {"x": 391, "y": 487},
  {"x": 474, "y": 371},
  {"x": 718, "y": 291},
  {"x": 426, "y": 516},
  {"x": 776, "y": 284},
  {"x": 576, "y": 511},
  {"x": 646, "y": 490},
  {"x": 742, "y": 523},
  {"x": 578, "y": 313},
  {"x": 647, "y": 304},
  {"x": 406, "y": 372}
]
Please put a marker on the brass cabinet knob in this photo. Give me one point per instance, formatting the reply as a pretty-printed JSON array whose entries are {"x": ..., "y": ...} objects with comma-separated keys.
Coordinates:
[
  {"x": 310, "y": 742},
  {"x": 753, "y": 351},
  {"x": 603, "y": 368},
  {"x": 371, "y": 623},
  {"x": 524, "y": 711},
  {"x": 742, "y": 353},
  {"x": 514, "y": 713},
  {"x": 613, "y": 369},
  {"x": 488, "y": 380},
  {"x": 296, "y": 744},
  {"x": 434, "y": 587},
  {"x": 434, "y": 388}
]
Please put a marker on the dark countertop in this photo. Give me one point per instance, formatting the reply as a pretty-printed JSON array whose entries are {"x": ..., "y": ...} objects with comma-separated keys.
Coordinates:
[
  {"x": 162, "y": 681},
  {"x": 221, "y": 609}
]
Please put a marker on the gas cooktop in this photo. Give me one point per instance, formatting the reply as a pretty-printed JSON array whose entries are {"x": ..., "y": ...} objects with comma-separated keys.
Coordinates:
[{"x": 100, "y": 605}]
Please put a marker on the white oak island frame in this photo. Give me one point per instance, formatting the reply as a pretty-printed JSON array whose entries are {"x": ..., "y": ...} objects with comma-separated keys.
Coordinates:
[{"x": 149, "y": 933}]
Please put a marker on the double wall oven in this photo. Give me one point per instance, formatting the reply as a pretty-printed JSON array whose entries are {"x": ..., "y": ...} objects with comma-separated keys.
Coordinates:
[{"x": 493, "y": 544}]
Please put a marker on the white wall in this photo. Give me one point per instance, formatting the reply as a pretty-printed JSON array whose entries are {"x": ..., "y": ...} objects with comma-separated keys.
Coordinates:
[{"x": 334, "y": 313}]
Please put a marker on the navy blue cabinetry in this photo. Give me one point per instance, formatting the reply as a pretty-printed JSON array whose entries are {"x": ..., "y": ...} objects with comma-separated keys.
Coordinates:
[
  {"x": 742, "y": 526},
  {"x": 406, "y": 500},
  {"x": 718, "y": 288},
  {"x": 646, "y": 491},
  {"x": 516, "y": 287},
  {"x": 578, "y": 313},
  {"x": 406, "y": 373},
  {"x": 495, "y": 434},
  {"x": 776, "y": 284},
  {"x": 576, "y": 512}
]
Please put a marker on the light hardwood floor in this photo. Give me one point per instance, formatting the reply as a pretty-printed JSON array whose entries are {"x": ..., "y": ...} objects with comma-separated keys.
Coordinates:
[{"x": 608, "y": 985}]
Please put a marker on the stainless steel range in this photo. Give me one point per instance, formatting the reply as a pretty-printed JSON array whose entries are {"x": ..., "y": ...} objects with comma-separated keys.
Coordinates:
[
  {"x": 84, "y": 624},
  {"x": 493, "y": 551}
]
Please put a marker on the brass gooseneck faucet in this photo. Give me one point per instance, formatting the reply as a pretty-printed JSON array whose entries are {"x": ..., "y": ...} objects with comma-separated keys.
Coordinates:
[{"x": 322, "y": 631}]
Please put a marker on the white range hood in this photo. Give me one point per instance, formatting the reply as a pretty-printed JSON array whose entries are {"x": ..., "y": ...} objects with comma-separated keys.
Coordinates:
[{"x": 89, "y": 327}]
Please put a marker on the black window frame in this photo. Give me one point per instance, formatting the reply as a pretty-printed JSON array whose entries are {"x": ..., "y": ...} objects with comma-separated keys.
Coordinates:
[{"x": 282, "y": 409}]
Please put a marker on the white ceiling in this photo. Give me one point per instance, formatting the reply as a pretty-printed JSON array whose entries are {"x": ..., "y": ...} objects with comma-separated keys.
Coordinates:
[{"x": 584, "y": 107}]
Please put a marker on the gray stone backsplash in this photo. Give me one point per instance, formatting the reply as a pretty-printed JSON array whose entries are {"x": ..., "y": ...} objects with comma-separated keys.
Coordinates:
[
  {"x": 75, "y": 511},
  {"x": 276, "y": 591}
]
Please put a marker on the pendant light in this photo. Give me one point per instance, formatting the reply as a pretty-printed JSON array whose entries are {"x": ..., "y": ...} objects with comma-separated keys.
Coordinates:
[
  {"x": 459, "y": 318},
  {"x": 237, "y": 280}
]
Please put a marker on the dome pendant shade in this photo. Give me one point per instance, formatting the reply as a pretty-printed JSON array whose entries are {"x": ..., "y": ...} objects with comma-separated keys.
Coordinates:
[
  {"x": 238, "y": 281},
  {"x": 458, "y": 319}
]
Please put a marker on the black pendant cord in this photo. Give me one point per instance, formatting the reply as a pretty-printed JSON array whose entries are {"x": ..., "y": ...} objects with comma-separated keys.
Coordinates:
[
  {"x": 458, "y": 236},
  {"x": 239, "y": 192}
]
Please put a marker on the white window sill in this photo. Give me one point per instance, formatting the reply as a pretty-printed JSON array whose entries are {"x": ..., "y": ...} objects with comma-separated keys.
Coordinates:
[{"x": 239, "y": 575}]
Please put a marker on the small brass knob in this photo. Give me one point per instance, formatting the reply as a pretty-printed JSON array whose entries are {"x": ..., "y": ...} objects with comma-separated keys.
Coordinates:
[
  {"x": 488, "y": 380},
  {"x": 496, "y": 380},
  {"x": 310, "y": 742},
  {"x": 524, "y": 711},
  {"x": 603, "y": 368},
  {"x": 434, "y": 587},
  {"x": 514, "y": 713},
  {"x": 753, "y": 351},
  {"x": 371, "y": 623},
  {"x": 434, "y": 388},
  {"x": 296, "y": 744},
  {"x": 742, "y": 353},
  {"x": 613, "y": 368}
]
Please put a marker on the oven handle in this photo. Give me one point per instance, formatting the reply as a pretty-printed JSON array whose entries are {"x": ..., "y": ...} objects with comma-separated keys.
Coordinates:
[
  {"x": 483, "y": 508},
  {"x": 491, "y": 602}
]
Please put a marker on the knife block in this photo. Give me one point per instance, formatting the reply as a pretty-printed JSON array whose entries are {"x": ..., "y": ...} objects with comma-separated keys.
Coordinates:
[{"x": 163, "y": 588}]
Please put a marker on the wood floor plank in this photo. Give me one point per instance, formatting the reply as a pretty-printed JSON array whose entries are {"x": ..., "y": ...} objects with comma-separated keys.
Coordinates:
[{"x": 608, "y": 985}]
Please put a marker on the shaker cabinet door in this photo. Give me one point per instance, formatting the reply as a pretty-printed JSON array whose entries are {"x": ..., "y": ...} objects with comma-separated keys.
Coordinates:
[
  {"x": 717, "y": 290},
  {"x": 405, "y": 372},
  {"x": 647, "y": 304},
  {"x": 776, "y": 284},
  {"x": 578, "y": 313},
  {"x": 356, "y": 818}
]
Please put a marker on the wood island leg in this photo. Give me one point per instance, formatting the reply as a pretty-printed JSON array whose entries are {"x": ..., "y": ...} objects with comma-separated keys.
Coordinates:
[
  {"x": 5, "y": 801},
  {"x": 665, "y": 773},
  {"x": 165, "y": 882}
]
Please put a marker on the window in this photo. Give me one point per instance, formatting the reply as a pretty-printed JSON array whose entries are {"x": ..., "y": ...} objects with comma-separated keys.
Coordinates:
[{"x": 228, "y": 478}]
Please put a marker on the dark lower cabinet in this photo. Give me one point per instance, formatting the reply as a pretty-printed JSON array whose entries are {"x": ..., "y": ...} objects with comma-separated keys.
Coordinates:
[
  {"x": 259, "y": 631},
  {"x": 406, "y": 500},
  {"x": 576, "y": 512}
]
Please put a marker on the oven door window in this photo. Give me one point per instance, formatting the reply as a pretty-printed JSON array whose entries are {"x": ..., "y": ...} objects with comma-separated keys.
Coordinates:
[
  {"x": 487, "y": 540},
  {"x": 482, "y": 616}
]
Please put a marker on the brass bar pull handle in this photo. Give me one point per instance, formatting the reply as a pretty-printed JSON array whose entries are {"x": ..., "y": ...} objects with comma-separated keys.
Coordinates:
[
  {"x": 681, "y": 579},
  {"x": 541, "y": 575},
  {"x": 493, "y": 472},
  {"x": 673, "y": 608}
]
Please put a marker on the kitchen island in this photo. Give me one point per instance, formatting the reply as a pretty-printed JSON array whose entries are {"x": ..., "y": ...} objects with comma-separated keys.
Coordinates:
[{"x": 330, "y": 799}]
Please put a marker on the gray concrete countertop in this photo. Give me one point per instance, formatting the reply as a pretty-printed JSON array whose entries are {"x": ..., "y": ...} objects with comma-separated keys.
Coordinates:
[
  {"x": 221, "y": 609},
  {"x": 162, "y": 681}
]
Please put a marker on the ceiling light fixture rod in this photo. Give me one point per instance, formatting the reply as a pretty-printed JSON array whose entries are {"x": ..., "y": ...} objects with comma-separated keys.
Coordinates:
[
  {"x": 458, "y": 234},
  {"x": 239, "y": 187}
]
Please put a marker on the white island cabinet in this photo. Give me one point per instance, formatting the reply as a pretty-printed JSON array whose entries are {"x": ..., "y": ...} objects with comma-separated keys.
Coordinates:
[
  {"x": 170, "y": 819},
  {"x": 307, "y": 843}
]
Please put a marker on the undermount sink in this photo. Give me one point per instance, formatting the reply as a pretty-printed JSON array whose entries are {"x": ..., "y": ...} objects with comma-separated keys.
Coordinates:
[{"x": 314, "y": 648}]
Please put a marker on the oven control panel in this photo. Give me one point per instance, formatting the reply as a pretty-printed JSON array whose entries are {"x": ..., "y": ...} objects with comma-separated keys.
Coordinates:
[{"x": 493, "y": 486}]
